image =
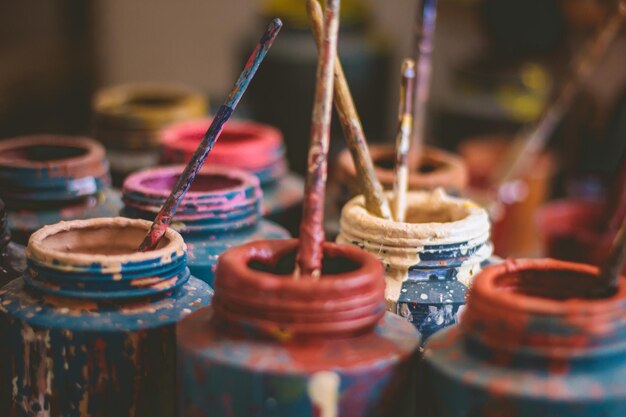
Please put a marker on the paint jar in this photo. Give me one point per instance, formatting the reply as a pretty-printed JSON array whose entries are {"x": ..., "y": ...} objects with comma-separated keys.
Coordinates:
[
  {"x": 46, "y": 179},
  {"x": 253, "y": 147},
  {"x": 306, "y": 347},
  {"x": 532, "y": 343},
  {"x": 438, "y": 169},
  {"x": 430, "y": 259},
  {"x": 12, "y": 259},
  {"x": 515, "y": 232},
  {"x": 128, "y": 118},
  {"x": 220, "y": 210},
  {"x": 575, "y": 230},
  {"x": 92, "y": 322}
]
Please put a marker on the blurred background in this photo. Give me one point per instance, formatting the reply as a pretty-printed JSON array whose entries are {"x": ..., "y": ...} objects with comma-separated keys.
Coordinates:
[{"x": 496, "y": 63}]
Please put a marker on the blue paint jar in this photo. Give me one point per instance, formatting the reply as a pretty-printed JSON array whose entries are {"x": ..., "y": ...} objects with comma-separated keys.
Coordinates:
[
  {"x": 532, "y": 342},
  {"x": 272, "y": 345},
  {"x": 90, "y": 327},
  {"x": 12, "y": 259},
  {"x": 46, "y": 179},
  {"x": 430, "y": 259},
  {"x": 220, "y": 210}
]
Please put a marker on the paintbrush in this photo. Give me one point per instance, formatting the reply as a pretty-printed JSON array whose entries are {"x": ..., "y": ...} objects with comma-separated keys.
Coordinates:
[
  {"x": 372, "y": 190},
  {"x": 531, "y": 141},
  {"x": 309, "y": 256},
  {"x": 610, "y": 272},
  {"x": 164, "y": 217},
  {"x": 425, "y": 23},
  {"x": 403, "y": 140}
]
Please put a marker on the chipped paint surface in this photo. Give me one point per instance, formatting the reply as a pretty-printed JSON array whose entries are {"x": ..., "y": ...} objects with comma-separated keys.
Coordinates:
[
  {"x": 429, "y": 260},
  {"x": 530, "y": 344},
  {"x": 253, "y": 359},
  {"x": 212, "y": 219},
  {"x": 84, "y": 343}
]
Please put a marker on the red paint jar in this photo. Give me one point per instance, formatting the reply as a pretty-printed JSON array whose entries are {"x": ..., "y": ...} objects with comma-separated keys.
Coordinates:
[
  {"x": 532, "y": 342},
  {"x": 253, "y": 147},
  {"x": 307, "y": 347}
]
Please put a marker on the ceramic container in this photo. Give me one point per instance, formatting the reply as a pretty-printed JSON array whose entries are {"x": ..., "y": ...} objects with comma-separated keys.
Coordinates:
[
  {"x": 90, "y": 327},
  {"x": 221, "y": 210},
  {"x": 46, "y": 179},
  {"x": 531, "y": 343},
  {"x": 127, "y": 119},
  {"x": 305, "y": 348},
  {"x": 515, "y": 231},
  {"x": 253, "y": 147},
  {"x": 12, "y": 260},
  {"x": 430, "y": 260}
]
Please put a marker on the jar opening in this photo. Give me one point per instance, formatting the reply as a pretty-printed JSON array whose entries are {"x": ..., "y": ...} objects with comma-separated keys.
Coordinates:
[
  {"x": 435, "y": 214},
  {"x": 559, "y": 285},
  {"x": 42, "y": 153},
  {"x": 99, "y": 240},
  {"x": 284, "y": 264},
  {"x": 204, "y": 183},
  {"x": 155, "y": 101}
]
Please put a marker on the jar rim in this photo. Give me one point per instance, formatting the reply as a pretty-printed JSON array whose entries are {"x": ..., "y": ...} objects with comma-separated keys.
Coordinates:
[
  {"x": 470, "y": 222},
  {"x": 38, "y": 250}
]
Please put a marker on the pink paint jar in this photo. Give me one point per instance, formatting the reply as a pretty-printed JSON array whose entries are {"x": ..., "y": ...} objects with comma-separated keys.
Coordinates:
[{"x": 253, "y": 147}]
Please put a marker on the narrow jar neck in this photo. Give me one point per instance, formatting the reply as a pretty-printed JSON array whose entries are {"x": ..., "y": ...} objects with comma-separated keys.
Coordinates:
[
  {"x": 252, "y": 147},
  {"x": 347, "y": 300},
  {"x": 51, "y": 171},
  {"x": 440, "y": 231},
  {"x": 539, "y": 312},
  {"x": 220, "y": 201},
  {"x": 98, "y": 259}
]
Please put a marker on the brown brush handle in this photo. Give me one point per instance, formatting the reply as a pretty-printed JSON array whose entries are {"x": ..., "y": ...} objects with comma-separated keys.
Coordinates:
[
  {"x": 309, "y": 257},
  {"x": 531, "y": 142},
  {"x": 372, "y": 190}
]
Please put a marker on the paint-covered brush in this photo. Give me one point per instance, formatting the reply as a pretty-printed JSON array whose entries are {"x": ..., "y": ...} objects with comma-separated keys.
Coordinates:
[
  {"x": 425, "y": 23},
  {"x": 403, "y": 140},
  {"x": 372, "y": 190},
  {"x": 164, "y": 218},
  {"x": 309, "y": 257},
  {"x": 611, "y": 270},
  {"x": 531, "y": 141}
]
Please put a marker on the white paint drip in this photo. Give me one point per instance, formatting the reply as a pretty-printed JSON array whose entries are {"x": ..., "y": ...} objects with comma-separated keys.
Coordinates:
[{"x": 323, "y": 389}]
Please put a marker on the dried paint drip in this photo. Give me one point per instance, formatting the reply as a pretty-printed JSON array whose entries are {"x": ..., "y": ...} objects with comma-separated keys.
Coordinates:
[
  {"x": 128, "y": 119},
  {"x": 92, "y": 322},
  {"x": 307, "y": 348},
  {"x": 309, "y": 257},
  {"x": 430, "y": 259},
  {"x": 531, "y": 343},
  {"x": 254, "y": 147},
  {"x": 12, "y": 260},
  {"x": 164, "y": 217},
  {"x": 221, "y": 210},
  {"x": 45, "y": 179}
]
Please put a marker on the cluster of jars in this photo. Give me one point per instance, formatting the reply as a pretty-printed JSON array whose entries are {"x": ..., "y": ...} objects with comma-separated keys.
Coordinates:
[{"x": 211, "y": 324}]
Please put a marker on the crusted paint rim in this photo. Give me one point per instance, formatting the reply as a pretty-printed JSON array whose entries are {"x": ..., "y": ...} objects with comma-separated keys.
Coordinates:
[{"x": 37, "y": 249}]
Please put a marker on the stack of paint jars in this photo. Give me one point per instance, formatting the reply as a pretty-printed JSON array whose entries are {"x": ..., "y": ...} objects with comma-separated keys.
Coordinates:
[
  {"x": 221, "y": 210},
  {"x": 127, "y": 120},
  {"x": 46, "y": 179},
  {"x": 90, "y": 327},
  {"x": 253, "y": 147}
]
